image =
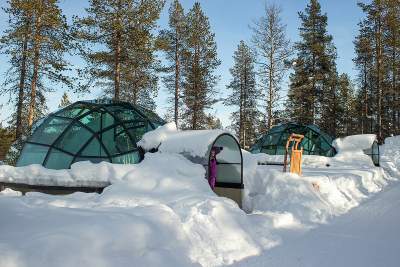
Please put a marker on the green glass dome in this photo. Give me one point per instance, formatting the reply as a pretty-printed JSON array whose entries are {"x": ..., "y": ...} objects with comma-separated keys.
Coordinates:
[
  {"x": 315, "y": 141},
  {"x": 101, "y": 130}
]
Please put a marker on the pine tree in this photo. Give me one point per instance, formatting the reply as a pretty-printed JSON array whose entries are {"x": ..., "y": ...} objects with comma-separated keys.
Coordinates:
[
  {"x": 346, "y": 110},
  {"x": 6, "y": 138},
  {"x": 14, "y": 43},
  {"x": 64, "y": 101},
  {"x": 391, "y": 50},
  {"x": 50, "y": 41},
  {"x": 212, "y": 122},
  {"x": 274, "y": 51},
  {"x": 243, "y": 95},
  {"x": 35, "y": 41},
  {"x": 312, "y": 85},
  {"x": 377, "y": 55},
  {"x": 200, "y": 62},
  {"x": 118, "y": 46},
  {"x": 173, "y": 41},
  {"x": 364, "y": 63}
]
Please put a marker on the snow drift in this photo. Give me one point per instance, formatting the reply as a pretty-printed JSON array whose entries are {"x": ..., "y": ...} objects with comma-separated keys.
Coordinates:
[
  {"x": 390, "y": 155},
  {"x": 164, "y": 216},
  {"x": 161, "y": 212}
]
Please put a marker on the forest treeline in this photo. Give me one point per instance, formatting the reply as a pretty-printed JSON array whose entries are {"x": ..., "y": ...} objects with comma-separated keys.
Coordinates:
[{"x": 128, "y": 57}]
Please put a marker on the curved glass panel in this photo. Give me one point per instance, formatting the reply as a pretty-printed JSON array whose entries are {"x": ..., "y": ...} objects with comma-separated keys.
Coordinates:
[
  {"x": 230, "y": 152},
  {"x": 50, "y": 130},
  {"x": 32, "y": 154},
  {"x": 101, "y": 130},
  {"x": 92, "y": 121},
  {"x": 58, "y": 160},
  {"x": 93, "y": 149},
  {"x": 229, "y": 160},
  {"x": 73, "y": 111},
  {"x": 73, "y": 139}
]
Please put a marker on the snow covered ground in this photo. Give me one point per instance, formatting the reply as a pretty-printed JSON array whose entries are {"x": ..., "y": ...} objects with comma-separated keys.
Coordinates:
[{"x": 161, "y": 212}]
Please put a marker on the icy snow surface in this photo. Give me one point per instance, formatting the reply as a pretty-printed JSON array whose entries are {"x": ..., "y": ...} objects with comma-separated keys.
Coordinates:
[{"x": 161, "y": 212}]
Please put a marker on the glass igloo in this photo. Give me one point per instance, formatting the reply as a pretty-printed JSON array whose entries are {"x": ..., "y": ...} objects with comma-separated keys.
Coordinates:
[
  {"x": 315, "y": 141},
  {"x": 98, "y": 130}
]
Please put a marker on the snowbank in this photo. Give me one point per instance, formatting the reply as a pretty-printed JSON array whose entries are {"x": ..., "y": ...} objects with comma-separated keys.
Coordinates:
[
  {"x": 390, "y": 156},
  {"x": 321, "y": 193},
  {"x": 161, "y": 212},
  {"x": 354, "y": 142},
  {"x": 163, "y": 216},
  {"x": 83, "y": 173},
  {"x": 170, "y": 140}
]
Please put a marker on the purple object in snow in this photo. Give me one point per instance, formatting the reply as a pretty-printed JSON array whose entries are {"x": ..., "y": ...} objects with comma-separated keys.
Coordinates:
[{"x": 212, "y": 176}]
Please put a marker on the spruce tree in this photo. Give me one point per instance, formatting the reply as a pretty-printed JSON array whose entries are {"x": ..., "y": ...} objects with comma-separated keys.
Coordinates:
[
  {"x": 116, "y": 40},
  {"x": 173, "y": 41},
  {"x": 312, "y": 85},
  {"x": 243, "y": 95},
  {"x": 64, "y": 102},
  {"x": 200, "y": 62},
  {"x": 378, "y": 62},
  {"x": 346, "y": 111},
  {"x": 274, "y": 53}
]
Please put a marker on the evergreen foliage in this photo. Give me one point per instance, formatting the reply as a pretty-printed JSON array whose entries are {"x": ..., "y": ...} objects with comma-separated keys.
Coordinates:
[
  {"x": 313, "y": 83},
  {"x": 377, "y": 60},
  {"x": 116, "y": 41},
  {"x": 200, "y": 62},
  {"x": 243, "y": 96},
  {"x": 64, "y": 101},
  {"x": 173, "y": 44},
  {"x": 35, "y": 42}
]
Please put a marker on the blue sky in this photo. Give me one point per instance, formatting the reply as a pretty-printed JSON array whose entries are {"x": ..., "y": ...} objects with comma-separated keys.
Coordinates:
[{"x": 230, "y": 20}]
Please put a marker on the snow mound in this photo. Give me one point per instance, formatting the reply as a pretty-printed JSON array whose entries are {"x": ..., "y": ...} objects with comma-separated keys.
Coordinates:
[
  {"x": 83, "y": 173},
  {"x": 354, "y": 142},
  {"x": 154, "y": 138},
  {"x": 390, "y": 156},
  {"x": 163, "y": 216},
  {"x": 313, "y": 198},
  {"x": 10, "y": 193},
  {"x": 170, "y": 140}
]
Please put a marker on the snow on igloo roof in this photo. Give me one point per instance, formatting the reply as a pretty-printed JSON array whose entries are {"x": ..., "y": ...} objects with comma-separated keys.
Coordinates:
[{"x": 170, "y": 140}]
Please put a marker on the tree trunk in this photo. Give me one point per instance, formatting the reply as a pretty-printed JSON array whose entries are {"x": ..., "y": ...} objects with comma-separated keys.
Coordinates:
[
  {"x": 21, "y": 89},
  {"x": 36, "y": 61},
  {"x": 177, "y": 75},
  {"x": 117, "y": 62},
  {"x": 378, "y": 69},
  {"x": 270, "y": 90}
]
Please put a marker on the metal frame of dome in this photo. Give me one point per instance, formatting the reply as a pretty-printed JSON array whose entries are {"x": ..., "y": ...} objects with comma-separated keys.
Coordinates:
[
  {"x": 72, "y": 116},
  {"x": 301, "y": 129}
]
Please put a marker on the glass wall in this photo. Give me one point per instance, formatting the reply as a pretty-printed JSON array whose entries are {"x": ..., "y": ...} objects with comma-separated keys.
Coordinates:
[
  {"x": 229, "y": 160},
  {"x": 315, "y": 141},
  {"x": 89, "y": 130}
]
